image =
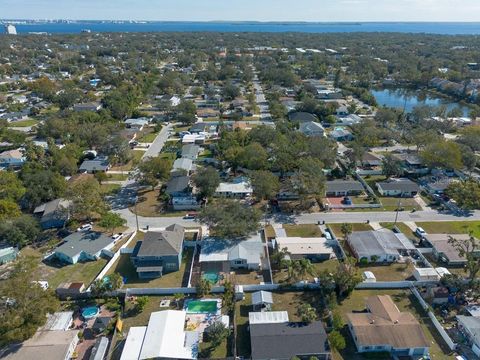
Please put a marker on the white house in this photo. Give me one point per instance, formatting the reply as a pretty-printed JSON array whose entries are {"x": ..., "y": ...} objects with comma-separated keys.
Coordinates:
[{"x": 12, "y": 158}]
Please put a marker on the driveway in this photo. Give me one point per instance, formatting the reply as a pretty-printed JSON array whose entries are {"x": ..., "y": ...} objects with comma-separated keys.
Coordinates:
[{"x": 157, "y": 145}]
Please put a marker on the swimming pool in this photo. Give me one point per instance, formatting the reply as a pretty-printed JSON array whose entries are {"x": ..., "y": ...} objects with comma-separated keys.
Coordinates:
[
  {"x": 90, "y": 312},
  {"x": 202, "y": 307},
  {"x": 212, "y": 277}
]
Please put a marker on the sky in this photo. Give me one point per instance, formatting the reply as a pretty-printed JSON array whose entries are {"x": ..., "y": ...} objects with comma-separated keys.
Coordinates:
[{"x": 237, "y": 10}]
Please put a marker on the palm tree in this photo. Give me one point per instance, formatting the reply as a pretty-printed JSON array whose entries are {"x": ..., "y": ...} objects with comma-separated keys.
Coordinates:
[
  {"x": 304, "y": 268},
  {"x": 346, "y": 230},
  {"x": 177, "y": 298}
]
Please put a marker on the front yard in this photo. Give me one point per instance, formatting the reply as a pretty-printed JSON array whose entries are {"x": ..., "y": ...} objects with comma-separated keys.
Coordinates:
[
  {"x": 303, "y": 230},
  {"x": 452, "y": 227},
  {"x": 337, "y": 228}
]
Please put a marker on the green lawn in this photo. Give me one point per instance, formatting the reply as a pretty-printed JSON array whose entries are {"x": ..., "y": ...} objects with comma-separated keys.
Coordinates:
[
  {"x": 136, "y": 157},
  {"x": 336, "y": 228},
  {"x": 392, "y": 272},
  {"x": 392, "y": 203},
  {"x": 81, "y": 272},
  {"x": 132, "y": 318},
  {"x": 304, "y": 230},
  {"x": 452, "y": 227},
  {"x": 405, "y": 302},
  {"x": 125, "y": 268},
  {"x": 403, "y": 228},
  {"x": 109, "y": 189},
  {"x": 117, "y": 177},
  {"x": 148, "y": 138},
  {"x": 23, "y": 123}
]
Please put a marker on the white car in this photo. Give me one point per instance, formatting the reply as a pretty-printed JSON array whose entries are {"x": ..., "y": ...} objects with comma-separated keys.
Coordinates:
[
  {"x": 85, "y": 227},
  {"x": 420, "y": 232},
  {"x": 117, "y": 236}
]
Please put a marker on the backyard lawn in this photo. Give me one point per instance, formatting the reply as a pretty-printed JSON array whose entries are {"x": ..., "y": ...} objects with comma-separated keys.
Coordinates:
[
  {"x": 304, "y": 230},
  {"x": 242, "y": 308},
  {"x": 125, "y": 268},
  {"x": 452, "y": 227},
  {"x": 148, "y": 138},
  {"x": 109, "y": 189},
  {"x": 149, "y": 205},
  {"x": 405, "y": 302},
  {"x": 392, "y": 272},
  {"x": 81, "y": 272},
  {"x": 132, "y": 318},
  {"x": 117, "y": 177}
]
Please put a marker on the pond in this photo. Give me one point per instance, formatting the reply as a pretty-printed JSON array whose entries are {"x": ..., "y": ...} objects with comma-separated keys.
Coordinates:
[{"x": 408, "y": 99}]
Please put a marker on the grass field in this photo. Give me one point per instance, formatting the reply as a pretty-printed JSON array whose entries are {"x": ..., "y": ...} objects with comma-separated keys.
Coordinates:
[
  {"x": 148, "y": 138},
  {"x": 82, "y": 272},
  {"x": 392, "y": 272},
  {"x": 452, "y": 227},
  {"x": 303, "y": 230},
  {"x": 117, "y": 177},
  {"x": 336, "y": 228},
  {"x": 23, "y": 123},
  {"x": 136, "y": 156},
  {"x": 109, "y": 189},
  {"x": 148, "y": 205}
]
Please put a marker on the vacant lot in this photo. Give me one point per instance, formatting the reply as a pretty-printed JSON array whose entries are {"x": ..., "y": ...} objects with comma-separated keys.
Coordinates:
[
  {"x": 337, "y": 228},
  {"x": 304, "y": 230},
  {"x": 392, "y": 272},
  {"x": 452, "y": 227}
]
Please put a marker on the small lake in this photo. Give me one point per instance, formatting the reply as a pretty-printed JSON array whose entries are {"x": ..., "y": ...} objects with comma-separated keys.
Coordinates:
[{"x": 400, "y": 98}]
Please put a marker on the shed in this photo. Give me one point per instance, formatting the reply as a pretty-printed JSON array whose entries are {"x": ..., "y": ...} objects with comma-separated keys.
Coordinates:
[
  {"x": 426, "y": 274},
  {"x": 262, "y": 301},
  {"x": 268, "y": 317},
  {"x": 369, "y": 277}
]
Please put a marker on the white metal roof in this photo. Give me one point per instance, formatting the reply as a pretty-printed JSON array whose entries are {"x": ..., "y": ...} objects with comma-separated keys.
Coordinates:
[
  {"x": 426, "y": 271},
  {"x": 59, "y": 321},
  {"x": 442, "y": 271},
  {"x": 262, "y": 297},
  {"x": 304, "y": 246},
  {"x": 134, "y": 342},
  {"x": 165, "y": 337},
  {"x": 368, "y": 275},
  {"x": 268, "y": 317}
]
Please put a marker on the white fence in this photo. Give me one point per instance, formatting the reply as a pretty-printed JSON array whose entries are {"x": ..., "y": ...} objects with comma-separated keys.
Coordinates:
[{"x": 451, "y": 345}]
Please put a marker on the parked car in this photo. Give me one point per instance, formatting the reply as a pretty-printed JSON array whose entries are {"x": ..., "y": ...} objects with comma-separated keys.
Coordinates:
[
  {"x": 347, "y": 200},
  {"x": 117, "y": 236},
  {"x": 85, "y": 227},
  {"x": 420, "y": 232},
  {"x": 190, "y": 216}
]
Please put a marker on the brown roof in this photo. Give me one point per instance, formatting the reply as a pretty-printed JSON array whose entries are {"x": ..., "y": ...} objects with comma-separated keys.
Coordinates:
[
  {"x": 384, "y": 324},
  {"x": 441, "y": 243}
]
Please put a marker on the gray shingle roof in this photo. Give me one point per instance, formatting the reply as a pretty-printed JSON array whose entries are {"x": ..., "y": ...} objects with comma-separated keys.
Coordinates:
[
  {"x": 162, "y": 243},
  {"x": 178, "y": 184},
  {"x": 286, "y": 340},
  {"x": 302, "y": 117},
  {"x": 90, "y": 242},
  {"x": 400, "y": 185},
  {"x": 368, "y": 243},
  {"x": 344, "y": 185},
  {"x": 97, "y": 164}
]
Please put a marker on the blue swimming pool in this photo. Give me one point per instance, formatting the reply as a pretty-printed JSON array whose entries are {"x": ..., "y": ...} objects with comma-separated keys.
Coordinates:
[
  {"x": 90, "y": 312},
  {"x": 212, "y": 277}
]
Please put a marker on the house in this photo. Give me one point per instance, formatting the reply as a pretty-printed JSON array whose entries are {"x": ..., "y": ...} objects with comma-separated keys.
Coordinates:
[
  {"x": 470, "y": 327},
  {"x": 344, "y": 188},
  {"x": 398, "y": 187},
  {"x": 286, "y": 340},
  {"x": 53, "y": 214},
  {"x": 342, "y": 111},
  {"x": 312, "y": 128},
  {"x": 349, "y": 120},
  {"x": 262, "y": 301},
  {"x": 194, "y": 139},
  {"x": 302, "y": 117},
  {"x": 83, "y": 246},
  {"x": 52, "y": 345},
  {"x": 12, "y": 158},
  {"x": 91, "y": 106},
  {"x": 238, "y": 189},
  {"x": 411, "y": 163},
  {"x": 190, "y": 151},
  {"x": 101, "y": 323},
  {"x": 159, "y": 252},
  {"x": 380, "y": 246},
  {"x": 384, "y": 328},
  {"x": 203, "y": 127},
  {"x": 8, "y": 254},
  {"x": 438, "y": 295},
  {"x": 224, "y": 255},
  {"x": 99, "y": 164},
  {"x": 341, "y": 135},
  {"x": 137, "y": 124},
  {"x": 313, "y": 249},
  {"x": 185, "y": 202},
  {"x": 370, "y": 161},
  {"x": 164, "y": 338},
  {"x": 169, "y": 100},
  {"x": 183, "y": 164},
  {"x": 444, "y": 251},
  {"x": 178, "y": 185}
]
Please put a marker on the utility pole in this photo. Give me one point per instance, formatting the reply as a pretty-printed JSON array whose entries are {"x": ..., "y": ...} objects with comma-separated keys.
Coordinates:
[
  {"x": 398, "y": 209},
  {"x": 136, "y": 215}
]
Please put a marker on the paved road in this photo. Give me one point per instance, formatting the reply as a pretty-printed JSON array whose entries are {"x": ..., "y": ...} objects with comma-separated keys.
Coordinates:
[
  {"x": 158, "y": 143},
  {"x": 331, "y": 217}
]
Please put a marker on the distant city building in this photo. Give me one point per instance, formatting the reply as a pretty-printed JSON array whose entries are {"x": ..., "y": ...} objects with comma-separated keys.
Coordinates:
[{"x": 10, "y": 29}]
